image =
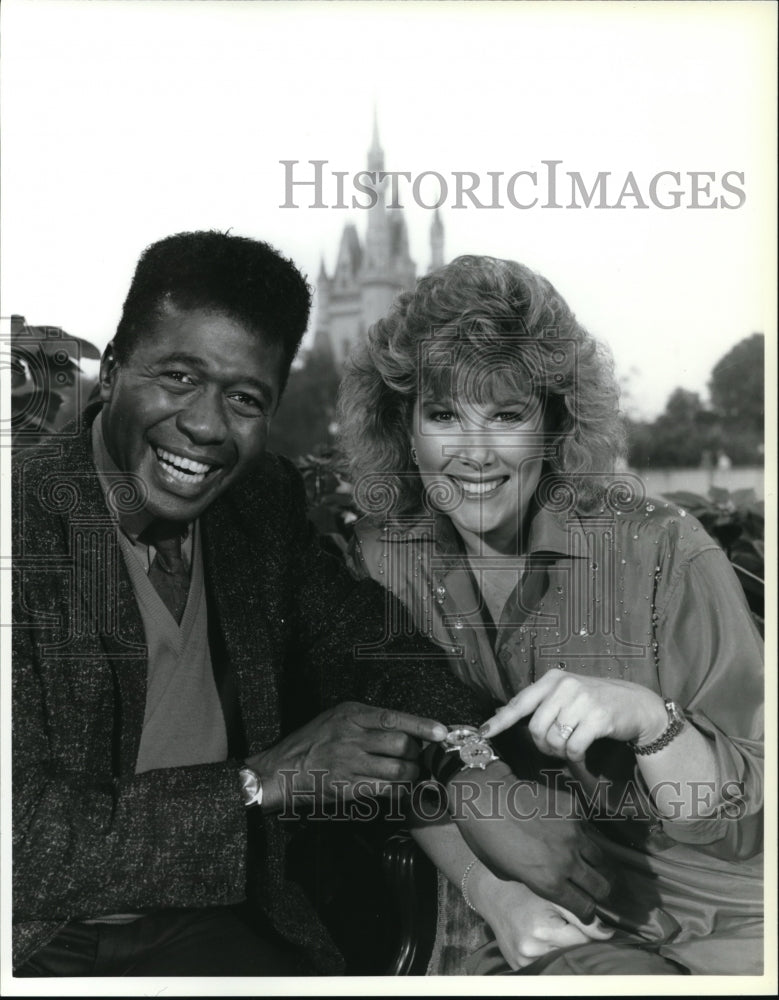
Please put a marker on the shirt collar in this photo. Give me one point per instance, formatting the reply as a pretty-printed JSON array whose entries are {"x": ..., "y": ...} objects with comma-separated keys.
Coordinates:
[{"x": 549, "y": 533}]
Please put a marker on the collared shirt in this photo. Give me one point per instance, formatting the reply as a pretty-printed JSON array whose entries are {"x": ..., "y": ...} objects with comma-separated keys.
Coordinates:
[
  {"x": 122, "y": 497},
  {"x": 641, "y": 595},
  {"x": 423, "y": 562}
]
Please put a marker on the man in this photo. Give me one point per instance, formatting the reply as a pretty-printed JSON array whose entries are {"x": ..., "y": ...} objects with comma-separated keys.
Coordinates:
[{"x": 183, "y": 647}]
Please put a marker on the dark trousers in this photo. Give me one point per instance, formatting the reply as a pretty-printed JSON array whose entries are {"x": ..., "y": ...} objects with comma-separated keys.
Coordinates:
[{"x": 208, "y": 942}]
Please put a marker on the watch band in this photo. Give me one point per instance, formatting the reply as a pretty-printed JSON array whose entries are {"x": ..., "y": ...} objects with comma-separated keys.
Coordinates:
[
  {"x": 251, "y": 786},
  {"x": 449, "y": 766},
  {"x": 675, "y": 726}
]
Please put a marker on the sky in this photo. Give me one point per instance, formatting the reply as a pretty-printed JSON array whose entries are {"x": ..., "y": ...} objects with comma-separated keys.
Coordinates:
[{"x": 124, "y": 122}]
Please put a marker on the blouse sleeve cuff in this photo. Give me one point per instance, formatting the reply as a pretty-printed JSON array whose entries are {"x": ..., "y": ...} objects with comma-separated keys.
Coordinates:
[{"x": 716, "y": 808}]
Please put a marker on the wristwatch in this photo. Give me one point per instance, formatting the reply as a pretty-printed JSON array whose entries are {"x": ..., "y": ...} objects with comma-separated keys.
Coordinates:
[
  {"x": 675, "y": 725},
  {"x": 462, "y": 749},
  {"x": 251, "y": 786}
]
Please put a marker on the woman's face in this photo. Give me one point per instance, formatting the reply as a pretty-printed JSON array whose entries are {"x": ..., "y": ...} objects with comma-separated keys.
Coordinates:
[{"x": 481, "y": 465}]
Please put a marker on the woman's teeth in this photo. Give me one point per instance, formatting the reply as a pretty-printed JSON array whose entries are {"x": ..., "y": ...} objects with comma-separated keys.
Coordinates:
[
  {"x": 184, "y": 469},
  {"x": 480, "y": 489}
]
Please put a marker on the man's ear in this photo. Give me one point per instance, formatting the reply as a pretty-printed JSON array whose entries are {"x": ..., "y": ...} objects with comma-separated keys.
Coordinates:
[{"x": 108, "y": 369}]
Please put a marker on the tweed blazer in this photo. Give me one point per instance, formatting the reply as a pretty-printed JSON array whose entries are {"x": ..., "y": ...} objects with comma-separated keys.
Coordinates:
[{"x": 91, "y": 836}]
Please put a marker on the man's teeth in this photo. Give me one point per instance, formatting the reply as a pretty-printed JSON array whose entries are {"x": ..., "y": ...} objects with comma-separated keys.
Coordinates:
[
  {"x": 479, "y": 489},
  {"x": 185, "y": 469}
]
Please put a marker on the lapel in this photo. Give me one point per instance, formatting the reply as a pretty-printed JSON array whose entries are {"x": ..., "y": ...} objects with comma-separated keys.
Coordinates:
[
  {"x": 244, "y": 563},
  {"x": 129, "y": 668},
  {"x": 105, "y": 630}
]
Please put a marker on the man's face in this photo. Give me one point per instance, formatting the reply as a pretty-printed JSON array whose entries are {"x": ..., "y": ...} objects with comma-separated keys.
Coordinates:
[{"x": 189, "y": 410}]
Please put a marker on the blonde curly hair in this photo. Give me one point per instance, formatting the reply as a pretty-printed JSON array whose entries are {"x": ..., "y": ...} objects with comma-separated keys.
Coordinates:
[{"x": 477, "y": 328}]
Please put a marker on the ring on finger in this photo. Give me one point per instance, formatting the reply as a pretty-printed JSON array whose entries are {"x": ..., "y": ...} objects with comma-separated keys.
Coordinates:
[{"x": 563, "y": 730}]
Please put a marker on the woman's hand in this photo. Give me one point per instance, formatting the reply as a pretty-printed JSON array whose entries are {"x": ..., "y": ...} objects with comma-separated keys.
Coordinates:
[
  {"x": 525, "y": 925},
  {"x": 569, "y": 711}
]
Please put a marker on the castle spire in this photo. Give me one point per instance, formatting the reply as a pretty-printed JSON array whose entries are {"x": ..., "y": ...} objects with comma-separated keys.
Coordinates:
[
  {"x": 378, "y": 251},
  {"x": 367, "y": 277},
  {"x": 375, "y": 153},
  {"x": 436, "y": 242}
]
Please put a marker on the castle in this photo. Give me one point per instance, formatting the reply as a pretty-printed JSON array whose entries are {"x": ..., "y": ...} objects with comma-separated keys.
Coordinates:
[{"x": 367, "y": 278}]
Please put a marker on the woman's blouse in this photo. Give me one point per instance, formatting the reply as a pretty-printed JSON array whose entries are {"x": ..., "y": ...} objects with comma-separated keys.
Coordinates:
[{"x": 642, "y": 595}]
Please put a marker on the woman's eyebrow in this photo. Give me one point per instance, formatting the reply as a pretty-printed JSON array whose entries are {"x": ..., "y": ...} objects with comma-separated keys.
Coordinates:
[{"x": 515, "y": 399}]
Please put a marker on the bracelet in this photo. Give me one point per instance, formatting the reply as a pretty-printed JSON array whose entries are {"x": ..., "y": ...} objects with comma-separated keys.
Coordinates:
[
  {"x": 674, "y": 727},
  {"x": 464, "y": 884}
]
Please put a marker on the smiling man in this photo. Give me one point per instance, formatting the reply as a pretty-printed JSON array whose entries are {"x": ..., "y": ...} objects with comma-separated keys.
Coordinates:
[
  {"x": 181, "y": 641},
  {"x": 188, "y": 410}
]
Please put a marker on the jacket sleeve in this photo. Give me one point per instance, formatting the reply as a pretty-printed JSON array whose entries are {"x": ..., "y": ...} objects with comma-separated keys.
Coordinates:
[
  {"x": 89, "y": 836},
  {"x": 710, "y": 661},
  {"x": 87, "y": 844}
]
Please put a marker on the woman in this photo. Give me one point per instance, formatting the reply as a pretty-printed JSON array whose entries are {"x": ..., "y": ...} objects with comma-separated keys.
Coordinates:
[{"x": 481, "y": 423}]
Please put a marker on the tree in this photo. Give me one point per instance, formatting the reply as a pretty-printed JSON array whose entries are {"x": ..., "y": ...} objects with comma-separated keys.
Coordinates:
[
  {"x": 683, "y": 408},
  {"x": 678, "y": 437},
  {"x": 737, "y": 385},
  {"x": 688, "y": 433},
  {"x": 303, "y": 423}
]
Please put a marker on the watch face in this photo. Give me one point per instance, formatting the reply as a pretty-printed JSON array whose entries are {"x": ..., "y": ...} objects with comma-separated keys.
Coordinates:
[
  {"x": 459, "y": 734},
  {"x": 251, "y": 786},
  {"x": 475, "y": 754}
]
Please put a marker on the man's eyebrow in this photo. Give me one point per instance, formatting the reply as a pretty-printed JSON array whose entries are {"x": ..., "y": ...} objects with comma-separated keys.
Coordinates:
[
  {"x": 181, "y": 357},
  {"x": 196, "y": 362},
  {"x": 262, "y": 387}
]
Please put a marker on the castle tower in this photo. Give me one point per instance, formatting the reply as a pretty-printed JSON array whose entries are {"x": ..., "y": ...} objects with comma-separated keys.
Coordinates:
[
  {"x": 366, "y": 279},
  {"x": 322, "y": 288},
  {"x": 375, "y": 153},
  {"x": 388, "y": 265},
  {"x": 339, "y": 309},
  {"x": 377, "y": 237},
  {"x": 322, "y": 343},
  {"x": 436, "y": 242}
]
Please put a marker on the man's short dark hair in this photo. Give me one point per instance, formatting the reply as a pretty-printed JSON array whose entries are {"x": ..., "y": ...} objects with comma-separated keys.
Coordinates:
[{"x": 245, "y": 279}]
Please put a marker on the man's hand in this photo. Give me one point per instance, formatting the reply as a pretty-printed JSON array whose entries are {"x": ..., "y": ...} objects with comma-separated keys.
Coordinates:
[
  {"x": 525, "y": 925},
  {"x": 354, "y": 745},
  {"x": 525, "y": 832}
]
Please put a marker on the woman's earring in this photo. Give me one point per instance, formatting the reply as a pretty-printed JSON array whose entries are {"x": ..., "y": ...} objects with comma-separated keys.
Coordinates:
[{"x": 414, "y": 456}]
